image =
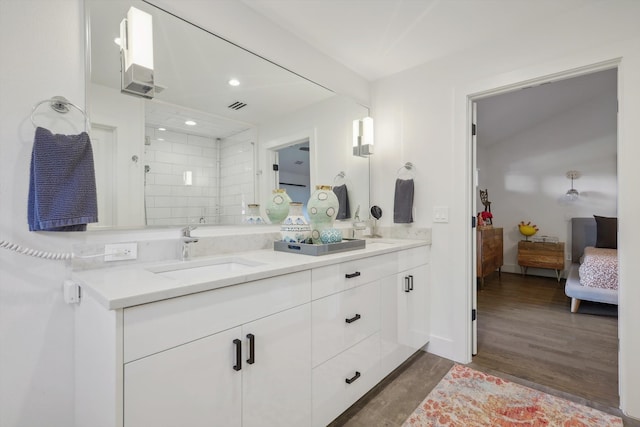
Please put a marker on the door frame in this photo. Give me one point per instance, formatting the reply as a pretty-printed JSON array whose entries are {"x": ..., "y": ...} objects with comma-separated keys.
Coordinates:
[{"x": 471, "y": 99}]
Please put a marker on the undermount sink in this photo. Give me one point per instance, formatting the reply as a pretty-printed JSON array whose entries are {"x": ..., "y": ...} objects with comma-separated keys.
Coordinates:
[{"x": 204, "y": 270}]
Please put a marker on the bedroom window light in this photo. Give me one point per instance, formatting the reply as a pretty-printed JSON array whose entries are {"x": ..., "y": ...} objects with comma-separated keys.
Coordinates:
[{"x": 572, "y": 194}]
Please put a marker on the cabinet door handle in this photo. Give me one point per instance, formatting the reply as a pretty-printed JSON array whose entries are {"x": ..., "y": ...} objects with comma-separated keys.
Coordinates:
[
  {"x": 406, "y": 284},
  {"x": 353, "y": 378},
  {"x": 353, "y": 319},
  {"x": 238, "y": 364},
  {"x": 410, "y": 282},
  {"x": 352, "y": 275},
  {"x": 252, "y": 348}
]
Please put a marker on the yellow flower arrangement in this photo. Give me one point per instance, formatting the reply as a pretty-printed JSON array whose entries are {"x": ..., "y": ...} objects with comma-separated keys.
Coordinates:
[{"x": 528, "y": 229}]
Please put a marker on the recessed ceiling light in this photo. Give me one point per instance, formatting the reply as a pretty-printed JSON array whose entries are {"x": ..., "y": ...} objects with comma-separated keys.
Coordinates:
[
  {"x": 117, "y": 41},
  {"x": 190, "y": 123},
  {"x": 234, "y": 82},
  {"x": 160, "y": 139},
  {"x": 162, "y": 129}
]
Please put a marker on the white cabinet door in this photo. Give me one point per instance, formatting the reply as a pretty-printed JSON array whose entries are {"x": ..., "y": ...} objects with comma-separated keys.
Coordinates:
[
  {"x": 405, "y": 316},
  {"x": 277, "y": 385},
  {"x": 190, "y": 385},
  {"x": 413, "y": 307}
]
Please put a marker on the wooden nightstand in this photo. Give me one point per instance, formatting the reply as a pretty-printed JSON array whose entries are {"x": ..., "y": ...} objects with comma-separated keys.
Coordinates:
[
  {"x": 490, "y": 253},
  {"x": 541, "y": 255}
]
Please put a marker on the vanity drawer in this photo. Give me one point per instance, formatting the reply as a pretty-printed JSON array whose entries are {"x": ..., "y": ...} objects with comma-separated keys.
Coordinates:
[
  {"x": 341, "y": 320},
  {"x": 335, "y": 278},
  {"x": 412, "y": 258},
  {"x": 157, "y": 326},
  {"x": 332, "y": 394}
]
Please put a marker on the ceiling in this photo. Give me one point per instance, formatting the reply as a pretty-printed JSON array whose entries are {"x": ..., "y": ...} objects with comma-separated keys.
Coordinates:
[
  {"x": 376, "y": 38},
  {"x": 505, "y": 115}
]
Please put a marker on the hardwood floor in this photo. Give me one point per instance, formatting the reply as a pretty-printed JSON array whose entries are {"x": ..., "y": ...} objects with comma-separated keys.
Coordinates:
[
  {"x": 525, "y": 329},
  {"x": 526, "y": 335}
]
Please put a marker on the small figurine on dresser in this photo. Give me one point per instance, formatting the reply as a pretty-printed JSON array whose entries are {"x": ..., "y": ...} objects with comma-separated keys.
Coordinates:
[{"x": 487, "y": 216}]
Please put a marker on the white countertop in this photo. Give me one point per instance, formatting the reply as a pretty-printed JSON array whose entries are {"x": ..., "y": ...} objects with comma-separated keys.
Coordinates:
[{"x": 127, "y": 286}]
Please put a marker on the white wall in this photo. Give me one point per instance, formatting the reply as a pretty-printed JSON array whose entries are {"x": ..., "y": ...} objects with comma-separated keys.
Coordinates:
[
  {"x": 125, "y": 116},
  {"x": 422, "y": 116},
  {"x": 40, "y": 58},
  {"x": 329, "y": 125},
  {"x": 526, "y": 173}
]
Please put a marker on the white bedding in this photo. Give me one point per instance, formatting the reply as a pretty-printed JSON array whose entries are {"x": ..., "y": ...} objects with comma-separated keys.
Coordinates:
[{"x": 599, "y": 268}]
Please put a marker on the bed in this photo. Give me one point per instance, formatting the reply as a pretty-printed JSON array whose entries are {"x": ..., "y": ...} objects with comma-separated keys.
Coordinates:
[{"x": 593, "y": 276}]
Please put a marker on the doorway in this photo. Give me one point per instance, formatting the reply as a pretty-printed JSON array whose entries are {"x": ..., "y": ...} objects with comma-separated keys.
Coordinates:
[{"x": 527, "y": 140}]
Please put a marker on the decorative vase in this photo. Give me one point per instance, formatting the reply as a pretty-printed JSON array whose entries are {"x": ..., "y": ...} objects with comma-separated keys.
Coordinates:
[
  {"x": 253, "y": 215},
  {"x": 294, "y": 228},
  {"x": 330, "y": 235},
  {"x": 278, "y": 206},
  {"x": 322, "y": 209}
]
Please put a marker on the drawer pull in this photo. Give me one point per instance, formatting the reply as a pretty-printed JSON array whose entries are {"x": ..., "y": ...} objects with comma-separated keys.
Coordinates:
[
  {"x": 252, "y": 348},
  {"x": 406, "y": 284},
  {"x": 353, "y": 378},
  {"x": 353, "y": 319},
  {"x": 352, "y": 275},
  {"x": 410, "y": 282},
  {"x": 238, "y": 364},
  {"x": 295, "y": 247}
]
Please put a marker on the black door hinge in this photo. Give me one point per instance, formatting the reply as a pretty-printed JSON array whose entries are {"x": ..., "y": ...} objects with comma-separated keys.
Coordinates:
[
  {"x": 473, "y": 314},
  {"x": 473, "y": 222},
  {"x": 275, "y": 166},
  {"x": 473, "y": 129}
]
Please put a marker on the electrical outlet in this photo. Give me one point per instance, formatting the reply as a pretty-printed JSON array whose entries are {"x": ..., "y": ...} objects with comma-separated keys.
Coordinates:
[{"x": 120, "y": 251}]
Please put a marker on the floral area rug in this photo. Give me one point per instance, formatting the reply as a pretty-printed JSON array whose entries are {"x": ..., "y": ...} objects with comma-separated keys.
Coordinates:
[{"x": 465, "y": 397}]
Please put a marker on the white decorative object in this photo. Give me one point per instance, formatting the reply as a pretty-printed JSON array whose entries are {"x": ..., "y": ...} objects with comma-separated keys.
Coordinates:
[
  {"x": 295, "y": 228},
  {"x": 253, "y": 215}
]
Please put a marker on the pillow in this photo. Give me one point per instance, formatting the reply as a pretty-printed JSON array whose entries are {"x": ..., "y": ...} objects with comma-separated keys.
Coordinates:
[{"x": 607, "y": 232}]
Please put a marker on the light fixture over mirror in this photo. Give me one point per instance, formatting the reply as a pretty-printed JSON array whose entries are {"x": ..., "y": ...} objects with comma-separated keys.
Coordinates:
[
  {"x": 572, "y": 194},
  {"x": 136, "y": 54},
  {"x": 363, "y": 137}
]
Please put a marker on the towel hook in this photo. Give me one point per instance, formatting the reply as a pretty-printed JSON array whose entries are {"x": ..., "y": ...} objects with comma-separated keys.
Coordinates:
[
  {"x": 339, "y": 176},
  {"x": 61, "y": 105}
]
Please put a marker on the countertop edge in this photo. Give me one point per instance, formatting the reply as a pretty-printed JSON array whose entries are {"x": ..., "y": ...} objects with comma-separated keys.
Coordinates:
[{"x": 99, "y": 283}]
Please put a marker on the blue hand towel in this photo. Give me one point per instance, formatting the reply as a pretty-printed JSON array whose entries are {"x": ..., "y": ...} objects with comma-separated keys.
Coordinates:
[
  {"x": 403, "y": 202},
  {"x": 344, "y": 211},
  {"x": 62, "y": 184}
]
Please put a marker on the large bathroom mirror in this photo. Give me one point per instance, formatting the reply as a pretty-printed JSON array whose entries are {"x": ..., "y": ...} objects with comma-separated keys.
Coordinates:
[{"x": 155, "y": 167}]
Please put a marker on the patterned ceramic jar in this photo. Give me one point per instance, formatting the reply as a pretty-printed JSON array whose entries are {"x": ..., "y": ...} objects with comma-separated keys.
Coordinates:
[
  {"x": 278, "y": 206},
  {"x": 322, "y": 209},
  {"x": 253, "y": 215},
  {"x": 330, "y": 235},
  {"x": 294, "y": 228}
]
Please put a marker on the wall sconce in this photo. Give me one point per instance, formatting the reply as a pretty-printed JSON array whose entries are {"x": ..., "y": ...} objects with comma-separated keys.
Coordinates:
[
  {"x": 363, "y": 137},
  {"x": 136, "y": 54},
  {"x": 572, "y": 194}
]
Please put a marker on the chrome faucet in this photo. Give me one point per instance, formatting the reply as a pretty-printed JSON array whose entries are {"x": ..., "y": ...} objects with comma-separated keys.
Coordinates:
[{"x": 187, "y": 240}]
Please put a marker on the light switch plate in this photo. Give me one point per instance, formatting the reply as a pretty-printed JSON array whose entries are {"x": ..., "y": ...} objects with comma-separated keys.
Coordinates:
[{"x": 441, "y": 214}]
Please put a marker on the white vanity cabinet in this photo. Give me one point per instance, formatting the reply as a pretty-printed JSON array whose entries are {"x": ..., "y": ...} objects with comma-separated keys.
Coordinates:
[
  {"x": 405, "y": 318},
  {"x": 235, "y": 356},
  {"x": 294, "y": 349},
  {"x": 254, "y": 375}
]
